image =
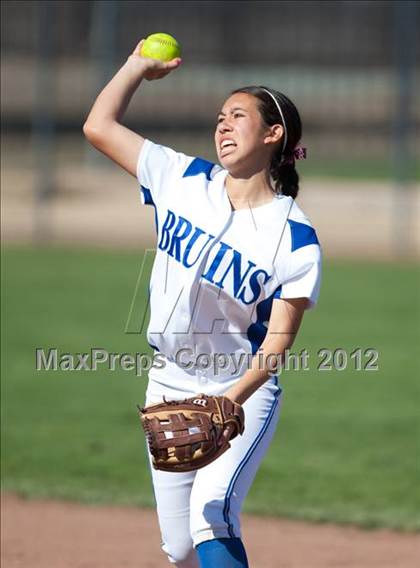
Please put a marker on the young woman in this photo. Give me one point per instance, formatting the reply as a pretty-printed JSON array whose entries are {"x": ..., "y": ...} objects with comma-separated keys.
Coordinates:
[{"x": 237, "y": 264}]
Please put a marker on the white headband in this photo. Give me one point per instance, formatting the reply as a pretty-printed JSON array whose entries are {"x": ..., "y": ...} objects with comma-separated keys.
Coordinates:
[{"x": 282, "y": 117}]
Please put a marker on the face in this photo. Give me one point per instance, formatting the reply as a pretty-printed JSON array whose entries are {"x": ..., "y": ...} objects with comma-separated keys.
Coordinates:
[{"x": 243, "y": 140}]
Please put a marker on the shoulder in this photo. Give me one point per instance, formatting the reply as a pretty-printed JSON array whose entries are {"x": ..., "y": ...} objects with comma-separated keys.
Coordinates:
[
  {"x": 166, "y": 173},
  {"x": 293, "y": 236},
  {"x": 302, "y": 231},
  {"x": 199, "y": 166},
  {"x": 181, "y": 164},
  {"x": 300, "y": 257},
  {"x": 287, "y": 221}
]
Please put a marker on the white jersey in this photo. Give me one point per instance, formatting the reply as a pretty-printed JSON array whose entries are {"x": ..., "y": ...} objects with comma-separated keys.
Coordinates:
[{"x": 217, "y": 272}]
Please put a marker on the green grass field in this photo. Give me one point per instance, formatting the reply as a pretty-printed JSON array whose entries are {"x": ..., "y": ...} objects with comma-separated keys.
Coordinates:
[{"x": 346, "y": 449}]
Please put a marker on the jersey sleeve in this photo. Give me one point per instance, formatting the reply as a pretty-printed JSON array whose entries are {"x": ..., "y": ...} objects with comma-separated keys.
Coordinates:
[
  {"x": 303, "y": 278},
  {"x": 157, "y": 169}
]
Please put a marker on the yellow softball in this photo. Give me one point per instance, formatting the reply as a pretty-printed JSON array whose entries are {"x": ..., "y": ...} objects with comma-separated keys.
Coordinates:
[{"x": 160, "y": 46}]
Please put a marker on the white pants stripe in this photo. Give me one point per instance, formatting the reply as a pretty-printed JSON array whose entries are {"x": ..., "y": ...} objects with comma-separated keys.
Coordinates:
[
  {"x": 242, "y": 465},
  {"x": 205, "y": 504}
]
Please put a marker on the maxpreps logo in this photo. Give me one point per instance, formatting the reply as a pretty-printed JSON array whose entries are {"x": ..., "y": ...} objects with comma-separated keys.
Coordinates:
[{"x": 188, "y": 245}]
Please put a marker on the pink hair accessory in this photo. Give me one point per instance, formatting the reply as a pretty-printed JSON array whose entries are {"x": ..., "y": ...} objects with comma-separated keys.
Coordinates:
[{"x": 299, "y": 153}]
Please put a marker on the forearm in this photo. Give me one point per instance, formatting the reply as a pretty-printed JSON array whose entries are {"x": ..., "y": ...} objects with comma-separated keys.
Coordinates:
[
  {"x": 263, "y": 365},
  {"x": 103, "y": 128},
  {"x": 113, "y": 100}
]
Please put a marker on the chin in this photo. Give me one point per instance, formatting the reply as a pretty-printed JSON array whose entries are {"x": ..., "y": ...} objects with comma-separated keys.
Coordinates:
[
  {"x": 235, "y": 165},
  {"x": 230, "y": 161}
]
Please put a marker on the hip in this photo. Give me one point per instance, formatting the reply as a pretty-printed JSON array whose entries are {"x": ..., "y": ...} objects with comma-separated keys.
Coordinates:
[{"x": 173, "y": 383}]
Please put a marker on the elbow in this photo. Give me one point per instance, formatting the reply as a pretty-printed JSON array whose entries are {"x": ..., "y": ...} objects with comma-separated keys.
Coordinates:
[
  {"x": 98, "y": 132},
  {"x": 87, "y": 129},
  {"x": 93, "y": 133}
]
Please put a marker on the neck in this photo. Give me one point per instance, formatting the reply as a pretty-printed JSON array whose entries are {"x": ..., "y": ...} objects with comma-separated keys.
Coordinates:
[{"x": 249, "y": 190}]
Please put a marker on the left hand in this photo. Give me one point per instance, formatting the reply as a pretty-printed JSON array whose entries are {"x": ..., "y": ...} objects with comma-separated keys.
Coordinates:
[
  {"x": 226, "y": 434},
  {"x": 220, "y": 421}
]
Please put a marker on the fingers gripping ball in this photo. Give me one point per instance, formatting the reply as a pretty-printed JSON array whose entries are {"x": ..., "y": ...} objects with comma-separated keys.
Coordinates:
[
  {"x": 186, "y": 435},
  {"x": 160, "y": 46}
]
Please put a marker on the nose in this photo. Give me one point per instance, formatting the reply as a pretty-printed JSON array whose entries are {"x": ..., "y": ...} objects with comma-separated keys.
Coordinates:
[{"x": 225, "y": 126}]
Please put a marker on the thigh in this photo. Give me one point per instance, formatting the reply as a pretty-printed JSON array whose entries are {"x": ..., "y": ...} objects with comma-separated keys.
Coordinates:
[
  {"x": 220, "y": 488},
  {"x": 172, "y": 490},
  {"x": 172, "y": 495}
]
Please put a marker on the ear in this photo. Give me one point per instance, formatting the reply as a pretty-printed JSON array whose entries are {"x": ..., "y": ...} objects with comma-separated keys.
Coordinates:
[{"x": 274, "y": 134}]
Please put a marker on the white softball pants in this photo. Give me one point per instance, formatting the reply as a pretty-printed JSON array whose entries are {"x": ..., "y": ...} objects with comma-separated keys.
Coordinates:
[{"x": 201, "y": 505}]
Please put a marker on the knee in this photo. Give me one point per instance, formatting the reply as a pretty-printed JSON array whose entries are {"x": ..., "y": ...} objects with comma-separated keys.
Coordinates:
[
  {"x": 214, "y": 519},
  {"x": 181, "y": 553}
]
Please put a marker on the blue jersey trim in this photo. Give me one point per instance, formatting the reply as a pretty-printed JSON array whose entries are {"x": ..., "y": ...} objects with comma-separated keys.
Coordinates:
[
  {"x": 199, "y": 166},
  {"x": 257, "y": 331},
  {"x": 226, "y": 508},
  {"x": 302, "y": 235},
  {"x": 148, "y": 200}
]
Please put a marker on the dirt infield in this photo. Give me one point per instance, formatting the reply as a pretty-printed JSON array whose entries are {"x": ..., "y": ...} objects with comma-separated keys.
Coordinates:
[{"x": 48, "y": 534}]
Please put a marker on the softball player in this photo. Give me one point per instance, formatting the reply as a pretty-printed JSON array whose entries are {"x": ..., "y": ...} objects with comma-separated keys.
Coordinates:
[{"x": 237, "y": 263}]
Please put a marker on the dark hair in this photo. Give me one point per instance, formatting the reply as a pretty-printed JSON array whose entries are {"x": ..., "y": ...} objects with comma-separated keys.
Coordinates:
[{"x": 284, "y": 174}]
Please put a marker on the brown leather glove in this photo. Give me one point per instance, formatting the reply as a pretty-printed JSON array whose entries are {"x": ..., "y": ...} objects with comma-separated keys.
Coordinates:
[{"x": 186, "y": 435}]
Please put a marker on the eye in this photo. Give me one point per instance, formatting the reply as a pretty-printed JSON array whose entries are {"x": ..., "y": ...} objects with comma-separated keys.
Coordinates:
[{"x": 237, "y": 114}]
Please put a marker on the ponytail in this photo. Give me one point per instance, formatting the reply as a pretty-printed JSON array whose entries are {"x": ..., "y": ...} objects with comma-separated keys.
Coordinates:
[{"x": 285, "y": 177}]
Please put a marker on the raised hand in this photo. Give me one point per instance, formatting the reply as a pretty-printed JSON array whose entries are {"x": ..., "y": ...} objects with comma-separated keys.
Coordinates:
[{"x": 151, "y": 69}]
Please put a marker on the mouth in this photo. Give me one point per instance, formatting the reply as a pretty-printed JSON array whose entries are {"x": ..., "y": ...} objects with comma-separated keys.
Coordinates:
[{"x": 226, "y": 147}]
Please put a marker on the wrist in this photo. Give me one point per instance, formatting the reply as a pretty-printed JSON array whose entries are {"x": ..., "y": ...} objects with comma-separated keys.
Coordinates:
[
  {"x": 136, "y": 68},
  {"x": 234, "y": 396}
]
